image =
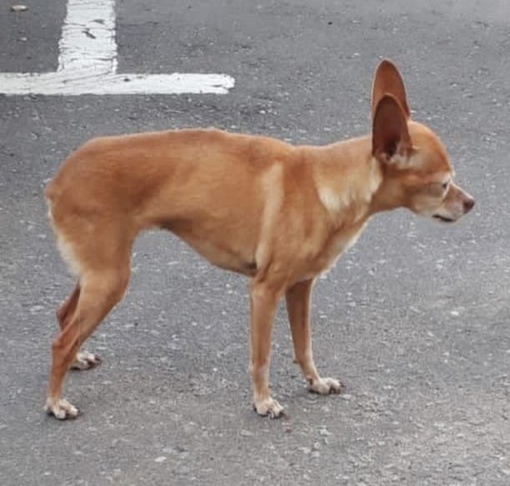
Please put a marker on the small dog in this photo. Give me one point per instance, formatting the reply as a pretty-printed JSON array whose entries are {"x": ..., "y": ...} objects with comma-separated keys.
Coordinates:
[{"x": 277, "y": 213}]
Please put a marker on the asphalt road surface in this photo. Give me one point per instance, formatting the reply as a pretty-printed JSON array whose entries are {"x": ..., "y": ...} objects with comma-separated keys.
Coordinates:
[{"x": 414, "y": 319}]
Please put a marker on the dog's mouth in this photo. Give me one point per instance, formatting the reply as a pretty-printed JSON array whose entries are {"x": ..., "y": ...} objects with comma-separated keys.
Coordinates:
[{"x": 443, "y": 219}]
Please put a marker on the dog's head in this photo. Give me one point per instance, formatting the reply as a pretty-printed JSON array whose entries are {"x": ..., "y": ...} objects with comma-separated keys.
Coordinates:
[{"x": 416, "y": 171}]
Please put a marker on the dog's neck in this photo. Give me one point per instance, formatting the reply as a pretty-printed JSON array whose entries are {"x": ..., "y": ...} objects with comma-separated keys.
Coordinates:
[{"x": 348, "y": 179}]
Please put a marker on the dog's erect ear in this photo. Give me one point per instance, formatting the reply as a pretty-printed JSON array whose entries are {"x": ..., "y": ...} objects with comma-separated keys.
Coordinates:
[
  {"x": 387, "y": 80},
  {"x": 390, "y": 135}
]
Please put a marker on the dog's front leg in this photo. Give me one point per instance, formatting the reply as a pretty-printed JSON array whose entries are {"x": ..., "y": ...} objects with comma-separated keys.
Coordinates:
[
  {"x": 298, "y": 299},
  {"x": 264, "y": 301}
]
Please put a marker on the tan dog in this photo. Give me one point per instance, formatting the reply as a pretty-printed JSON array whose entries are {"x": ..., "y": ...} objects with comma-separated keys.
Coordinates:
[{"x": 277, "y": 213}]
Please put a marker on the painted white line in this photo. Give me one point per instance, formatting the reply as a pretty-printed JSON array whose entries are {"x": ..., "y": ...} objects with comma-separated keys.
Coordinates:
[
  {"x": 64, "y": 83},
  {"x": 87, "y": 63},
  {"x": 88, "y": 37}
]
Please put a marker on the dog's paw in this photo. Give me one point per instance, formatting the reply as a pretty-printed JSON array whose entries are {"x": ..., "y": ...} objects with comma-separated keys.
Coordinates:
[
  {"x": 325, "y": 386},
  {"x": 61, "y": 409},
  {"x": 268, "y": 408},
  {"x": 85, "y": 361}
]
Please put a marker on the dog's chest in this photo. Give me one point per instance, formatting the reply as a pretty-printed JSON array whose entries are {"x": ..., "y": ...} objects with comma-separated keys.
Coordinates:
[{"x": 337, "y": 244}]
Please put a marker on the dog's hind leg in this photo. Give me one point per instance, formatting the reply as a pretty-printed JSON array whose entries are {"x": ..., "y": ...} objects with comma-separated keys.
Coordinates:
[
  {"x": 102, "y": 283},
  {"x": 68, "y": 307},
  {"x": 83, "y": 360}
]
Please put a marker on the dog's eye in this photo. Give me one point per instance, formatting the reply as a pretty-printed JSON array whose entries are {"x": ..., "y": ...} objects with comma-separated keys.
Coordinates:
[{"x": 445, "y": 185}]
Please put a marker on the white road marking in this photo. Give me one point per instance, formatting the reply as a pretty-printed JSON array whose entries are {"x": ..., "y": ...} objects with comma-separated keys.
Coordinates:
[
  {"x": 87, "y": 63},
  {"x": 88, "y": 38}
]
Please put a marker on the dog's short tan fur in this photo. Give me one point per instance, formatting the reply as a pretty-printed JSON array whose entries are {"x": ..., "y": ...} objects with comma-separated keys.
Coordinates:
[{"x": 278, "y": 213}]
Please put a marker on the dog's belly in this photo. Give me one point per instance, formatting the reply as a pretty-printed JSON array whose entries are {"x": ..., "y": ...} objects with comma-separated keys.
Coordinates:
[
  {"x": 219, "y": 252},
  {"x": 225, "y": 258}
]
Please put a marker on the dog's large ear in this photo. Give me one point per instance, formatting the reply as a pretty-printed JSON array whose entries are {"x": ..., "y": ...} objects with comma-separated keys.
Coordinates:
[
  {"x": 390, "y": 135},
  {"x": 387, "y": 80}
]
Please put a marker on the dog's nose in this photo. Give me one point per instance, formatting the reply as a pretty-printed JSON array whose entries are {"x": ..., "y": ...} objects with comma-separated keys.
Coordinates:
[{"x": 468, "y": 204}]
